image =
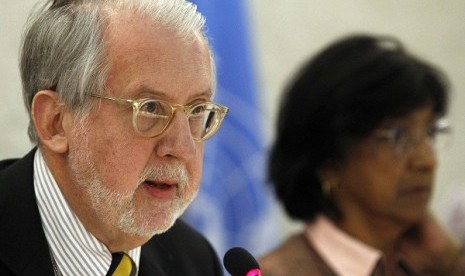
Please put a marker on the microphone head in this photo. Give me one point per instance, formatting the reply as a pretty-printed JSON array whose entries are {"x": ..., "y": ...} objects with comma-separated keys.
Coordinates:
[{"x": 239, "y": 262}]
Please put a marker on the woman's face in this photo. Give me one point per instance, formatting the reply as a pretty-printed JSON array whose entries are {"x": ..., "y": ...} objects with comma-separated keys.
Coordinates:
[{"x": 381, "y": 183}]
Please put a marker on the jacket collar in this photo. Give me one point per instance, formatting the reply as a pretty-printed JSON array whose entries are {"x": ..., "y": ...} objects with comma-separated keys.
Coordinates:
[{"x": 23, "y": 246}]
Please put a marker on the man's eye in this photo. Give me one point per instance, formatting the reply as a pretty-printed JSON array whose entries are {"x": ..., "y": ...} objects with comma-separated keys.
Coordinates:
[
  {"x": 198, "y": 110},
  {"x": 150, "y": 107},
  {"x": 154, "y": 109}
]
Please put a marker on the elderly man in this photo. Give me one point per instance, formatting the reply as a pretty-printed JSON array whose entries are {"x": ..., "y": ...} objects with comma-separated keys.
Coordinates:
[{"x": 119, "y": 96}]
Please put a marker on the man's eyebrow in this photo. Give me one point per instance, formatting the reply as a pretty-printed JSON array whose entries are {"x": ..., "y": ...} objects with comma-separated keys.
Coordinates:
[
  {"x": 149, "y": 92},
  {"x": 145, "y": 90},
  {"x": 207, "y": 93}
]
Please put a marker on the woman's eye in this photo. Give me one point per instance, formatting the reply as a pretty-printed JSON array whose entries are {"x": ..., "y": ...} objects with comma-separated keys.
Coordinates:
[
  {"x": 399, "y": 134},
  {"x": 432, "y": 131}
]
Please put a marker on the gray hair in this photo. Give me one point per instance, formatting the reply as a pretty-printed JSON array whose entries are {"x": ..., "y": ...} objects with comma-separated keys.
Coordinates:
[{"x": 63, "y": 47}]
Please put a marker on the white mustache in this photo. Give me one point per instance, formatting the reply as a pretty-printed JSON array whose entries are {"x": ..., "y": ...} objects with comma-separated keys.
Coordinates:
[{"x": 177, "y": 172}]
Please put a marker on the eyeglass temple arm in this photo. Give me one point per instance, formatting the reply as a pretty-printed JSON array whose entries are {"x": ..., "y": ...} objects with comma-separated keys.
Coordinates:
[{"x": 119, "y": 100}]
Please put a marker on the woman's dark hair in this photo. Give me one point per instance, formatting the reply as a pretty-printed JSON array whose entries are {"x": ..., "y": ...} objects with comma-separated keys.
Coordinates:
[{"x": 337, "y": 98}]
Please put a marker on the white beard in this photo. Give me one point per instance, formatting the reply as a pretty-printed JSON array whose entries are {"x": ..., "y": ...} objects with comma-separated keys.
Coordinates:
[{"x": 118, "y": 208}]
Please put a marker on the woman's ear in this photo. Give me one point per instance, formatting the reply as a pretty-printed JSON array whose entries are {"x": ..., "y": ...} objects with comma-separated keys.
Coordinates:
[{"x": 47, "y": 114}]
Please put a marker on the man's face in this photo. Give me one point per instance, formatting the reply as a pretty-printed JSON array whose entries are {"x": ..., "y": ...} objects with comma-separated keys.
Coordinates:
[{"x": 139, "y": 185}]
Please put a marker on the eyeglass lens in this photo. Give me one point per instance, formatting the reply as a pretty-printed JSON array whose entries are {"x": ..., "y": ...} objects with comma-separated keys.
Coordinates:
[
  {"x": 436, "y": 135},
  {"x": 154, "y": 116}
]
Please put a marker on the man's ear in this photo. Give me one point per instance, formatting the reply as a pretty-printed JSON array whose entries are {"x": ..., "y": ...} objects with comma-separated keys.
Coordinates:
[{"x": 47, "y": 114}]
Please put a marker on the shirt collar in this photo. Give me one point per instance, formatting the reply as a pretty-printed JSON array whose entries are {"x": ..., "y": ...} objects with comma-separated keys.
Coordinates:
[
  {"x": 75, "y": 250},
  {"x": 346, "y": 255}
]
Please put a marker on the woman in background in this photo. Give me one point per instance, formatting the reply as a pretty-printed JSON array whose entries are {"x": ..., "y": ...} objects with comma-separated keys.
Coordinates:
[{"x": 354, "y": 159}]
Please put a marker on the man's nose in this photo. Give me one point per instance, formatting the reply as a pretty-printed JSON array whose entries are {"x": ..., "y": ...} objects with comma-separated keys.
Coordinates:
[{"x": 177, "y": 140}]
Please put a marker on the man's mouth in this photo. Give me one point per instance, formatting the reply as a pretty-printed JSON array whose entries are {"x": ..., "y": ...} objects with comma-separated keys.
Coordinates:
[
  {"x": 161, "y": 189},
  {"x": 159, "y": 185}
]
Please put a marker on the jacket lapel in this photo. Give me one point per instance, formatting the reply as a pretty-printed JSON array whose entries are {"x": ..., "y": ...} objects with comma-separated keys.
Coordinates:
[{"x": 155, "y": 259}]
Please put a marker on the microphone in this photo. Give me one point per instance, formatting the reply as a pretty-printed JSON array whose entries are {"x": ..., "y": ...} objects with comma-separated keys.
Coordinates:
[{"x": 239, "y": 262}]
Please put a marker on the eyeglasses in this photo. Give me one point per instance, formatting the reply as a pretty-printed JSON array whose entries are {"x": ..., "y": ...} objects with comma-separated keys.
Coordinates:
[
  {"x": 403, "y": 141},
  {"x": 151, "y": 117}
]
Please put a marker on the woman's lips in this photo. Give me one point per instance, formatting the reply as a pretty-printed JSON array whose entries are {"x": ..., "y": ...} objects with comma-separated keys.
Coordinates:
[{"x": 418, "y": 191}]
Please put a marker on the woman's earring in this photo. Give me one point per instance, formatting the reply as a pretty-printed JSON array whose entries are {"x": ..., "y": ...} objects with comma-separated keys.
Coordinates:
[{"x": 326, "y": 188}]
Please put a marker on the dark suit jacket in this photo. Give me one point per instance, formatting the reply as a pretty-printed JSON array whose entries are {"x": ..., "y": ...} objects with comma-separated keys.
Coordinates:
[{"x": 24, "y": 250}]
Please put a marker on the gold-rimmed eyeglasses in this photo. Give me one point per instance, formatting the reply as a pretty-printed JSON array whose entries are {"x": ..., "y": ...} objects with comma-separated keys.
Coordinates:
[
  {"x": 403, "y": 141},
  {"x": 152, "y": 117}
]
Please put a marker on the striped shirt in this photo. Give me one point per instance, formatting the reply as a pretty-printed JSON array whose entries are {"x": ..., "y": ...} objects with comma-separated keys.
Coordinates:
[{"x": 75, "y": 250}]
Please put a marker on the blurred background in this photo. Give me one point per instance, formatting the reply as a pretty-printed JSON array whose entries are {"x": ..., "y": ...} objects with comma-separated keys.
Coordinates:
[{"x": 259, "y": 45}]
